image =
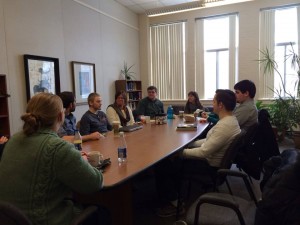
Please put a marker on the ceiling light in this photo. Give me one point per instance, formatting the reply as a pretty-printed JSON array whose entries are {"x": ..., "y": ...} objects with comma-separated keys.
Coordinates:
[{"x": 190, "y": 6}]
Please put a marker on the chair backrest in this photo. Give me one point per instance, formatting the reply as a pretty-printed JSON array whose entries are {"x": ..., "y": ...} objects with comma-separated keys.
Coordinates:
[
  {"x": 232, "y": 150},
  {"x": 266, "y": 143},
  {"x": 11, "y": 215},
  {"x": 78, "y": 125}
]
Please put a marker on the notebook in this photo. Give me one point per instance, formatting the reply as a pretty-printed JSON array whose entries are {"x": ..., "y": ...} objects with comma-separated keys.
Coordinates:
[
  {"x": 186, "y": 126},
  {"x": 131, "y": 128}
]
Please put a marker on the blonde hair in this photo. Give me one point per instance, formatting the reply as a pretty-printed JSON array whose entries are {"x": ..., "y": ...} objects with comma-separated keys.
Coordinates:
[{"x": 41, "y": 112}]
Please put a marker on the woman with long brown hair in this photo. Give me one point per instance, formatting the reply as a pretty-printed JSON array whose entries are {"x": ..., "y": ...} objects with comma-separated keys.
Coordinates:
[
  {"x": 193, "y": 103},
  {"x": 119, "y": 111}
]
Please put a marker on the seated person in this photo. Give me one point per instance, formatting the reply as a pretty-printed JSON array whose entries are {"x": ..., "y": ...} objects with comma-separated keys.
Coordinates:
[
  {"x": 119, "y": 111},
  {"x": 280, "y": 199},
  {"x": 46, "y": 169},
  {"x": 193, "y": 103},
  {"x": 150, "y": 105},
  {"x": 69, "y": 126},
  {"x": 246, "y": 112},
  {"x": 3, "y": 141},
  {"x": 69, "y": 103},
  {"x": 211, "y": 148},
  {"x": 94, "y": 120},
  {"x": 210, "y": 117}
]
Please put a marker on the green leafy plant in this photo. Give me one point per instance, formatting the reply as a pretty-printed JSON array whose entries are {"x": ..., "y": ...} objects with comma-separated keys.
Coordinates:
[
  {"x": 260, "y": 105},
  {"x": 127, "y": 73},
  {"x": 284, "y": 111}
]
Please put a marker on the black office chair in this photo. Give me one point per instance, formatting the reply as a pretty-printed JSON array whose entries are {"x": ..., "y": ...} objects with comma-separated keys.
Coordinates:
[
  {"x": 11, "y": 215},
  {"x": 223, "y": 208},
  {"x": 209, "y": 179}
]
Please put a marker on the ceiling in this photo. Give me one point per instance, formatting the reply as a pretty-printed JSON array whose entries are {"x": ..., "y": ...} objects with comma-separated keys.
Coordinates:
[{"x": 141, "y": 6}]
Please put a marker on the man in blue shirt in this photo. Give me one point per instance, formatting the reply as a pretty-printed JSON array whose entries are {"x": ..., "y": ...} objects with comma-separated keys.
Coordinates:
[
  {"x": 69, "y": 103},
  {"x": 94, "y": 120},
  {"x": 69, "y": 126}
]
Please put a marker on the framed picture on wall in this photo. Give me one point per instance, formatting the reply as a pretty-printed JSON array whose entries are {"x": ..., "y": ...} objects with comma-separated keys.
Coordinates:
[
  {"x": 84, "y": 80},
  {"x": 41, "y": 75}
]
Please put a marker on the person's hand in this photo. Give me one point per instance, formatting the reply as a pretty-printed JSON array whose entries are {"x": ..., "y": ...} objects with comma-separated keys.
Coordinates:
[
  {"x": 96, "y": 135},
  {"x": 204, "y": 115},
  {"x": 84, "y": 155},
  {"x": 3, "y": 140},
  {"x": 203, "y": 120},
  {"x": 68, "y": 138}
]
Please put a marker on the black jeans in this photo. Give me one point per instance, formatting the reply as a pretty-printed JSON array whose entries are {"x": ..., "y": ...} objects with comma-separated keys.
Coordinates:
[
  {"x": 169, "y": 172},
  {"x": 101, "y": 216}
]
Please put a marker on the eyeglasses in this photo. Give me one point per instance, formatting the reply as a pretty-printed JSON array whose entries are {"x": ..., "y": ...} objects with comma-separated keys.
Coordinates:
[{"x": 151, "y": 92}]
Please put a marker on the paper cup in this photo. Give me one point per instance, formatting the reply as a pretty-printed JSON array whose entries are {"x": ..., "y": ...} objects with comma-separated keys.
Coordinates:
[
  {"x": 116, "y": 126},
  {"x": 95, "y": 158},
  {"x": 181, "y": 114}
]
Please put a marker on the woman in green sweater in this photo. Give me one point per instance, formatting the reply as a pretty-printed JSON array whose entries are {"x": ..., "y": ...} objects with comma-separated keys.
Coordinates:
[{"x": 39, "y": 170}]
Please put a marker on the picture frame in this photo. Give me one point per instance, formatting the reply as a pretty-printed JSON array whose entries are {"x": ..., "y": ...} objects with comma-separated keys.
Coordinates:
[
  {"x": 84, "y": 81},
  {"x": 41, "y": 75}
]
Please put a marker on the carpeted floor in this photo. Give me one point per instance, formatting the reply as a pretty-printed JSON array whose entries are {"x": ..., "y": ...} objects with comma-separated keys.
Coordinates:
[{"x": 146, "y": 201}]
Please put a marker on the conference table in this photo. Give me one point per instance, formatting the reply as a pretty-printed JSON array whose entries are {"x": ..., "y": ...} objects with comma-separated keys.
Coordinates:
[{"x": 145, "y": 148}]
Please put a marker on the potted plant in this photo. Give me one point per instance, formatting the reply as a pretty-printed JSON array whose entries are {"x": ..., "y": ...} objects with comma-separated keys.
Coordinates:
[
  {"x": 279, "y": 116},
  {"x": 284, "y": 111},
  {"x": 128, "y": 75}
]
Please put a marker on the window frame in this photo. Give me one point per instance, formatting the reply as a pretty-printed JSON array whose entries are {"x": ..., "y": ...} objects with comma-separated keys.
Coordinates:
[
  {"x": 267, "y": 41},
  {"x": 200, "y": 52}
]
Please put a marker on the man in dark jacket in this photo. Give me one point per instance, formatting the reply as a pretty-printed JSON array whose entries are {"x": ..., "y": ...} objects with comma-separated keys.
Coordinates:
[{"x": 280, "y": 204}]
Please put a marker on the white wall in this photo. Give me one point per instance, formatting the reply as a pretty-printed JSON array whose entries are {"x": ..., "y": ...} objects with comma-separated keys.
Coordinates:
[
  {"x": 96, "y": 31},
  {"x": 248, "y": 67}
]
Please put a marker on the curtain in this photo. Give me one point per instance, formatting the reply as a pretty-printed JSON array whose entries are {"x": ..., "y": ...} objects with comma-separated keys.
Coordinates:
[
  {"x": 267, "y": 41},
  {"x": 167, "y": 49}
]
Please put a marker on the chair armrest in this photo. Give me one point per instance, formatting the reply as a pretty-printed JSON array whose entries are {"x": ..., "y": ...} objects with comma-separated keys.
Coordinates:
[
  {"x": 84, "y": 215},
  {"x": 217, "y": 198},
  {"x": 235, "y": 173},
  {"x": 220, "y": 199}
]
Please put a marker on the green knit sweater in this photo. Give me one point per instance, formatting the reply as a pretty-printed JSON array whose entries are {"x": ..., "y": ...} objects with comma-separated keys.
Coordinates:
[{"x": 38, "y": 172}]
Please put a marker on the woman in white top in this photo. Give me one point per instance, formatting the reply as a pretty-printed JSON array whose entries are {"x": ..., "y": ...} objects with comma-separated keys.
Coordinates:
[{"x": 119, "y": 111}]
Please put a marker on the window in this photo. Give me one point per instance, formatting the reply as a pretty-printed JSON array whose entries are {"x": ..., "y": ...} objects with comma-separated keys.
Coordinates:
[
  {"x": 279, "y": 34},
  {"x": 167, "y": 49},
  {"x": 216, "y": 57}
]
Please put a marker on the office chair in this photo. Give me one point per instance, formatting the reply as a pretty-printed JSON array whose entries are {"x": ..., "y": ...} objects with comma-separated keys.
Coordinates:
[
  {"x": 223, "y": 208},
  {"x": 11, "y": 215},
  {"x": 209, "y": 179}
]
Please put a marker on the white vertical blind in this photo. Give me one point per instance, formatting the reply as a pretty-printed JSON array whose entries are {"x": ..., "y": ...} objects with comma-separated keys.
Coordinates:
[
  {"x": 199, "y": 86},
  {"x": 233, "y": 50},
  {"x": 298, "y": 26},
  {"x": 267, "y": 41},
  {"x": 167, "y": 49}
]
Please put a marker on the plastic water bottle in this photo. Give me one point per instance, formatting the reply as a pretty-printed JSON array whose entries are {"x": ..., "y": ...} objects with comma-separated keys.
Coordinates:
[
  {"x": 170, "y": 112},
  {"x": 77, "y": 140},
  {"x": 122, "y": 148}
]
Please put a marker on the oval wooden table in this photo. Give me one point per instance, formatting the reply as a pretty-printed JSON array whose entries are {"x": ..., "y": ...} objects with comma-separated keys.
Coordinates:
[{"x": 145, "y": 147}]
